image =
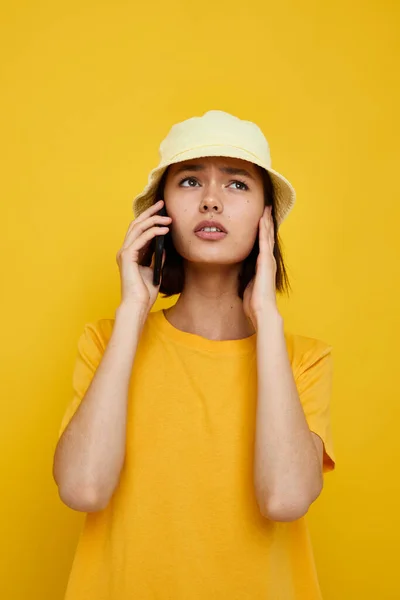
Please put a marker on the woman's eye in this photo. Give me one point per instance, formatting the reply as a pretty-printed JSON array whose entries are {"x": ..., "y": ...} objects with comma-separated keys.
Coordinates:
[
  {"x": 189, "y": 180},
  {"x": 241, "y": 184}
]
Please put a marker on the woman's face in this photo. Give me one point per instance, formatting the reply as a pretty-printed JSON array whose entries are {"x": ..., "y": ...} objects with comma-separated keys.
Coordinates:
[{"x": 217, "y": 189}]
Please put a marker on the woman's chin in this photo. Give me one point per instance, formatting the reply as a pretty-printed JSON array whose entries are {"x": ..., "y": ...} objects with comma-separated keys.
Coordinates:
[
  {"x": 216, "y": 259},
  {"x": 213, "y": 253}
]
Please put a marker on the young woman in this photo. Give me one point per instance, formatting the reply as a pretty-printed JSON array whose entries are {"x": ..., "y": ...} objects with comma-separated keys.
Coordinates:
[{"x": 197, "y": 436}]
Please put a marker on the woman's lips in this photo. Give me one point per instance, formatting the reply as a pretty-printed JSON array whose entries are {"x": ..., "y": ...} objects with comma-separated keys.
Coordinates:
[{"x": 210, "y": 235}]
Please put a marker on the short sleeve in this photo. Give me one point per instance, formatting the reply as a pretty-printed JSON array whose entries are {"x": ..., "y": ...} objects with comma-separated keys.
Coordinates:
[
  {"x": 314, "y": 385},
  {"x": 91, "y": 346}
]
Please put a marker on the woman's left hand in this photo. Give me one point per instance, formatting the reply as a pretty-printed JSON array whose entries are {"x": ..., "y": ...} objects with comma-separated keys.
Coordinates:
[{"x": 260, "y": 294}]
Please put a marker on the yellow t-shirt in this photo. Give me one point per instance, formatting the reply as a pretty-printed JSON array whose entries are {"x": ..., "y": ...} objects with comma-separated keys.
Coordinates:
[{"x": 183, "y": 523}]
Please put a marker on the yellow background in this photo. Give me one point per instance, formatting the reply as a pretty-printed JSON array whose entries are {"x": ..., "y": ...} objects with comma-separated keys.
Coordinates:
[{"x": 88, "y": 90}]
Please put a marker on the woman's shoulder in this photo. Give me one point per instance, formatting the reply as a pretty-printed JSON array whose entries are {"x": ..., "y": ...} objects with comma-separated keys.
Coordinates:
[
  {"x": 102, "y": 328},
  {"x": 302, "y": 348},
  {"x": 97, "y": 332}
]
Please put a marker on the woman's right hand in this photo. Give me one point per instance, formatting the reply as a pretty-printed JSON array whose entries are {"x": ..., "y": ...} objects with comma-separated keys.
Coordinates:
[{"x": 137, "y": 280}]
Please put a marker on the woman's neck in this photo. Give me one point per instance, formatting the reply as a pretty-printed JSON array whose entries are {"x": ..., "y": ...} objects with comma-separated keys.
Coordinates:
[{"x": 218, "y": 316}]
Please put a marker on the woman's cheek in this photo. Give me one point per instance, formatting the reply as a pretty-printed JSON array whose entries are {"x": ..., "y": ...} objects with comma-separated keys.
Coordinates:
[
  {"x": 242, "y": 248},
  {"x": 180, "y": 240}
]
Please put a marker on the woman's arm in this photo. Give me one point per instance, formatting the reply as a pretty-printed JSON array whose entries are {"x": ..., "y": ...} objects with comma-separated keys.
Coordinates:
[
  {"x": 288, "y": 456},
  {"x": 90, "y": 453}
]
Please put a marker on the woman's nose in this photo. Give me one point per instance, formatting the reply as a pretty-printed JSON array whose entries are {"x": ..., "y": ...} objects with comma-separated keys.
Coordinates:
[
  {"x": 211, "y": 201},
  {"x": 211, "y": 206}
]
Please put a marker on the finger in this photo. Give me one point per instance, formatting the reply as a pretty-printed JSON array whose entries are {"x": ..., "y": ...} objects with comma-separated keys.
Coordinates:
[
  {"x": 154, "y": 208},
  {"x": 149, "y": 211},
  {"x": 270, "y": 225},
  {"x": 262, "y": 238},
  {"x": 162, "y": 261},
  {"x": 272, "y": 236},
  {"x": 268, "y": 214},
  {"x": 142, "y": 240},
  {"x": 138, "y": 228}
]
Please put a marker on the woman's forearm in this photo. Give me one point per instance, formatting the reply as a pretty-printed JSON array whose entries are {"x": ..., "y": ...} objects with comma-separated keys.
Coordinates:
[
  {"x": 287, "y": 472},
  {"x": 91, "y": 452}
]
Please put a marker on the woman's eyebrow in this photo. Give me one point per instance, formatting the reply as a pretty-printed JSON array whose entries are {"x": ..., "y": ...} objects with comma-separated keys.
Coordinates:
[
  {"x": 182, "y": 168},
  {"x": 235, "y": 171},
  {"x": 229, "y": 170}
]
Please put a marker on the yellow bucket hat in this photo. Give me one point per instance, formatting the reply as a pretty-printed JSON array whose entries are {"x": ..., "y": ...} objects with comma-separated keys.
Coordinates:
[{"x": 217, "y": 133}]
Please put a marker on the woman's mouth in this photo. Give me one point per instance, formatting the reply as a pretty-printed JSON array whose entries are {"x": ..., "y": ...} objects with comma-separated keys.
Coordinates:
[{"x": 210, "y": 233}]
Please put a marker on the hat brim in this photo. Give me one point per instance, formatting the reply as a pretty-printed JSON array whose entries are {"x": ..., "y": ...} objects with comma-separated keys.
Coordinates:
[{"x": 284, "y": 192}]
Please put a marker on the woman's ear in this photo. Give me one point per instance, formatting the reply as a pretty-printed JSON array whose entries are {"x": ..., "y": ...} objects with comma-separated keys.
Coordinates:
[{"x": 163, "y": 209}]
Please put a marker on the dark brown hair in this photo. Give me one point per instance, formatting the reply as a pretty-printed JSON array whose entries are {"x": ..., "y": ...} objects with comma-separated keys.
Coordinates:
[{"x": 173, "y": 271}]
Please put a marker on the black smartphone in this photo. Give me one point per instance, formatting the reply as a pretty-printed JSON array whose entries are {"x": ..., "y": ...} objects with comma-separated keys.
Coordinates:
[{"x": 158, "y": 251}]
